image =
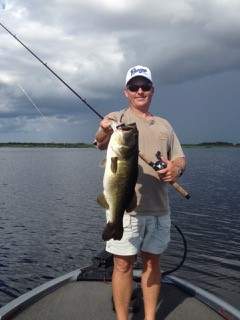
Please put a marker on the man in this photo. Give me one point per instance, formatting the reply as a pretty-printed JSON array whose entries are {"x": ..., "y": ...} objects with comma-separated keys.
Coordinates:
[{"x": 147, "y": 229}]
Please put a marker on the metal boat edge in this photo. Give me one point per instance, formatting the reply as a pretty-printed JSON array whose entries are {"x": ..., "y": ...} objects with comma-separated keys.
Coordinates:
[
  {"x": 223, "y": 308},
  {"x": 35, "y": 294},
  {"x": 226, "y": 310}
]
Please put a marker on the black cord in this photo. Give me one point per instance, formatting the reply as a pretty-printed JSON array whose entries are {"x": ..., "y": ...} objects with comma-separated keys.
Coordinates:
[{"x": 184, "y": 253}]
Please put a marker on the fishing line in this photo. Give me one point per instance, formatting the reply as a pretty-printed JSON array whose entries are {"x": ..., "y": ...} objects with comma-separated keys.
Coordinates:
[
  {"x": 53, "y": 72},
  {"x": 31, "y": 101}
]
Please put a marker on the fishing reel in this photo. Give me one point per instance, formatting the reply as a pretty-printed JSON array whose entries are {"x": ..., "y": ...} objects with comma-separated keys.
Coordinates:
[{"x": 159, "y": 164}]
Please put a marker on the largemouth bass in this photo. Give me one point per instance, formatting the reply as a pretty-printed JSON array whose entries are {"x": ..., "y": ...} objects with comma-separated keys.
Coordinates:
[{"x": 119, "y": 179}]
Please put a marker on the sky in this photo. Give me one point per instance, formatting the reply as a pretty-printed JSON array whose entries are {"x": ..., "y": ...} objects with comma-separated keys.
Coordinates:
[{"x": 191, "y": 46}]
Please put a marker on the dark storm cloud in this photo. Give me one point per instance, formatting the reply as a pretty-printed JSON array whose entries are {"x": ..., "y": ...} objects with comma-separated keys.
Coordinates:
[
  {"x": 180, "y": 39},
  {"x": 92, "y": 44}
]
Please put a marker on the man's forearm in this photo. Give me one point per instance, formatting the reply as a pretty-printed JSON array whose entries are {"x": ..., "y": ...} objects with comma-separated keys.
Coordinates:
[{"x": 180, "y": 165}]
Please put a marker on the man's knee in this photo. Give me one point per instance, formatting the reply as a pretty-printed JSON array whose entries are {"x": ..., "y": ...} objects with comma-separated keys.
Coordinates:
[
  {"x": 151, "y": 261},
  {"x": 123, "y": 264}
]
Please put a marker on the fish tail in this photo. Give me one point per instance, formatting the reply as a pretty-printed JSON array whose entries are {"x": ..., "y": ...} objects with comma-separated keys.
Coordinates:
[{"x": 112, "y": 231}]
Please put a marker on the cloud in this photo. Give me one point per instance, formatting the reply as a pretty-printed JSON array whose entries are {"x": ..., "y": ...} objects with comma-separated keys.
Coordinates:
[
  {"x": 92, "y": 44},
  {"x": 2, "y": 4},
  {"x": 98, "y": 40}
]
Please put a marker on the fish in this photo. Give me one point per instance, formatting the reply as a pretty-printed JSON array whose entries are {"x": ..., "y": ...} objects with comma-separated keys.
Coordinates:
[{"x": 119, "y": 180}]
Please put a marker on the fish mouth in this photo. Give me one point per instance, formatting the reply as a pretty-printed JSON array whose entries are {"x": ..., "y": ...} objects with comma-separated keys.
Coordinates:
[
  {"x": 126, "y": 127},
  {"x": 126, "y": 134}
]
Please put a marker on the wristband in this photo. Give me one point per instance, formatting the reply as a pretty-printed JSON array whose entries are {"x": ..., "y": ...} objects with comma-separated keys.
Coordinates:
[{"x": 180, "y": 172}]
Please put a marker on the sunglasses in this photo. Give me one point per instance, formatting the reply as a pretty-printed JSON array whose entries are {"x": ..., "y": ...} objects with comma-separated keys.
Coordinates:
[{"x": 136, "y": 87}]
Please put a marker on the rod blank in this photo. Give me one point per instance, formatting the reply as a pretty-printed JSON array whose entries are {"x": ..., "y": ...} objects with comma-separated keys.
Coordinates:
[{"x": 53, "y": 72}]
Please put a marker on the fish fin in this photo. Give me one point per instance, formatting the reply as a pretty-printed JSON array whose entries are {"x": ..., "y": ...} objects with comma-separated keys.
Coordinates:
[
  {"x": 103, "y": 163},
  {"x": 133, "y": 203},
  {"x": 112, "y": 231},
  {"x": 114, "y": 164},
  {"x": 102, "y": 201}
]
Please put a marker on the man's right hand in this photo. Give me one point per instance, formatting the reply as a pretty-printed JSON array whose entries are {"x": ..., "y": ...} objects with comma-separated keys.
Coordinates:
[
  {"x": 104, "y": 132},
  {"x": 105, "y": 124}
]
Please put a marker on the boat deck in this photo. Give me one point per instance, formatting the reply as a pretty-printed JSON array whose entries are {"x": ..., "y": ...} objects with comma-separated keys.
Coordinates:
[{"x": 92, "y": 300}]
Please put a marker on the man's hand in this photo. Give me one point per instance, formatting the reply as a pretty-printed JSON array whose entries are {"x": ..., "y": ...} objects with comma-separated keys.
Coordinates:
[
  {"x": 105, "y": 125},
  {"x": 172, "y": 171},
  {"x": 103, "y": 134}
]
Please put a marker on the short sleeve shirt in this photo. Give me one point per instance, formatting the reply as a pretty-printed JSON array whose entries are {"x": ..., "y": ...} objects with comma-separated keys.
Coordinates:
[{"x": 154, "y": 135}]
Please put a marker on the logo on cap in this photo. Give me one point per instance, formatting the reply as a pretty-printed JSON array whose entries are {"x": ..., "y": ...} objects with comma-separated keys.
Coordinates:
[{"x": 140, "y": 70}]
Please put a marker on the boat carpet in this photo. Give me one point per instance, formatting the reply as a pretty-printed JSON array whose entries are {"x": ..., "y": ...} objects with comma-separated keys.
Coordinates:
[{"x": 92, "y": 300}]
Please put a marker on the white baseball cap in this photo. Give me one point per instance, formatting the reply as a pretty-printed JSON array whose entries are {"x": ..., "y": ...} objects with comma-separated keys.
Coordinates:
[{"x": 138, "y": 71}]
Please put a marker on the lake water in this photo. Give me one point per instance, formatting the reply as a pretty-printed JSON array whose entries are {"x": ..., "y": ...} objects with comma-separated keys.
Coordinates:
[{"x": 50, "y": 222}]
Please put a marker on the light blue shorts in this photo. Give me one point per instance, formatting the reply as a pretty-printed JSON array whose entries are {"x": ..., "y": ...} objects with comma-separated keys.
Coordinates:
[{"x": 142, "y": 233}]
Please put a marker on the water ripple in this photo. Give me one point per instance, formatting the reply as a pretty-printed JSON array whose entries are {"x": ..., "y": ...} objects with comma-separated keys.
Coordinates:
[{"x": 50, "y": 222}]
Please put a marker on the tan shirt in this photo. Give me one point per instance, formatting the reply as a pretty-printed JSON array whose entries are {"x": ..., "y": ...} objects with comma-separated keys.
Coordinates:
[{"x": 154, "y": 135}]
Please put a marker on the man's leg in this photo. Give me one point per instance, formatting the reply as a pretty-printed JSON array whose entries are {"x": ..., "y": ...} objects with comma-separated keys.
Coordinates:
[
  {"x": 122, "y": 283},
  {"x": 151, "y": 284}
]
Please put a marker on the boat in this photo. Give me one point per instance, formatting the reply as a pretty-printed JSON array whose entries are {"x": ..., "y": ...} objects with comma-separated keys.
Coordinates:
[{"x": 86, "y": 294}]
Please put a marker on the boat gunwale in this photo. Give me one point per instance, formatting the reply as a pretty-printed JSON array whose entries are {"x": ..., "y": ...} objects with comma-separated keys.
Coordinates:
[
  {"x": 35, "y": 294},
  {"x": 221, "y": 307}
]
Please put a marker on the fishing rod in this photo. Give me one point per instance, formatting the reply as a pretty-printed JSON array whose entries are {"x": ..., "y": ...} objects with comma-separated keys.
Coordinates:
[
  {"x": 175, "y": 184},
  {"x": 53, "y": 72}
]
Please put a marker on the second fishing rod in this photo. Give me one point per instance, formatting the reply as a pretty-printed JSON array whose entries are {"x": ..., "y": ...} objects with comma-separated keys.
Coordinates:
[{"x": 177, "y": 187}]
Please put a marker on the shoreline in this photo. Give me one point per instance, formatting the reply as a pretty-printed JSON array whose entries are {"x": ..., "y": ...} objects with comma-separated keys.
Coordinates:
[
  {"x": 89, "y": 145},
  {"x": 45, "y": 145},
  {"x": 211, "y": 145}
]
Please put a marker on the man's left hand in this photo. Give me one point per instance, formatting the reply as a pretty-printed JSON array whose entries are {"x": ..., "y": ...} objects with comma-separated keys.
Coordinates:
[{"x": 170, "y": 173}]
